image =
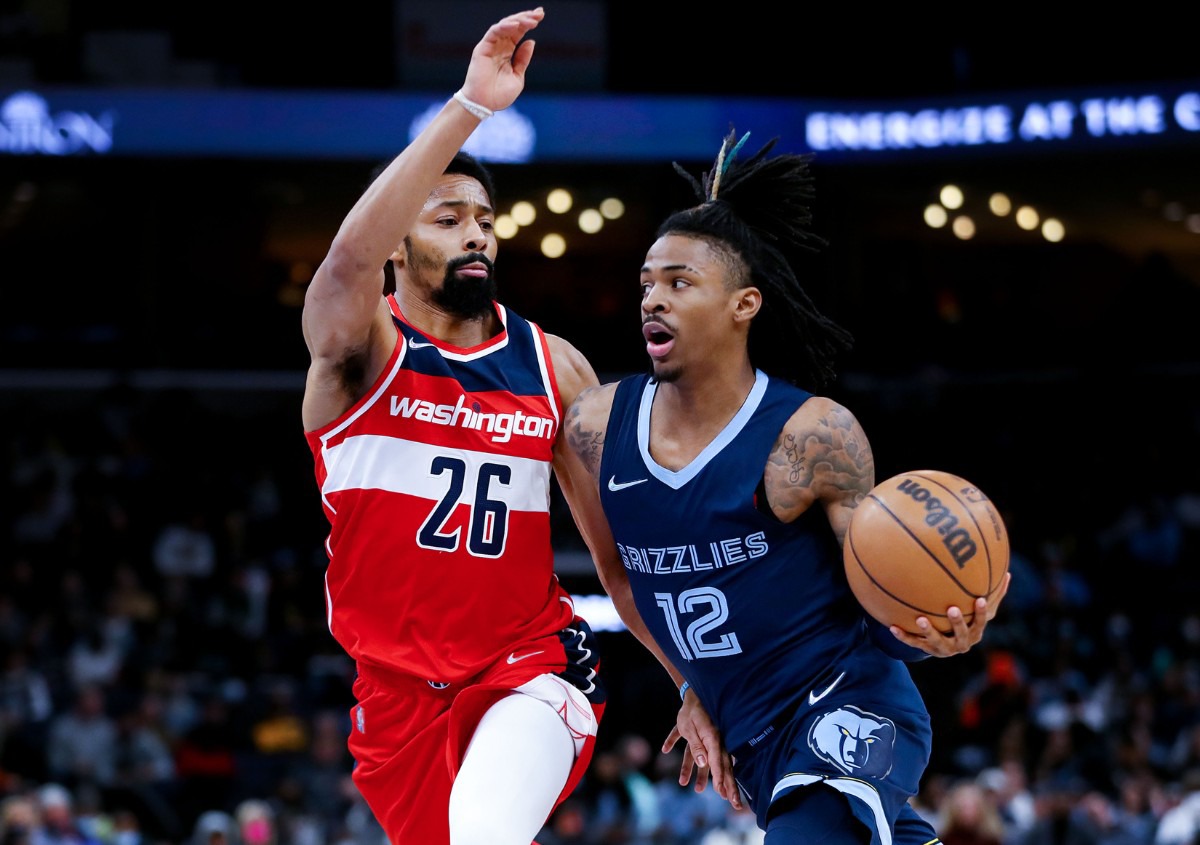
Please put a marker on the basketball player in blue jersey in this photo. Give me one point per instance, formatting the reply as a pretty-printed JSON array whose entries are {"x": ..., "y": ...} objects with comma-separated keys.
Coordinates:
[{"x": 728, "y": 488}]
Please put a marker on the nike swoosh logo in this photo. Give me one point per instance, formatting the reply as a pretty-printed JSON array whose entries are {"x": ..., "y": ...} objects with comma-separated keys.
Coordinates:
[
  {"x": 512, "y": 657},
  {"x": 414, "y": 344},
  {"x": 614, "y": 486},
  {"x": 814, "y": 696}
]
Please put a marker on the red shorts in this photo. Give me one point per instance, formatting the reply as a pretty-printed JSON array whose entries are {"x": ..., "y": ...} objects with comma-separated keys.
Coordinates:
[{"x": 408, "y": 736}]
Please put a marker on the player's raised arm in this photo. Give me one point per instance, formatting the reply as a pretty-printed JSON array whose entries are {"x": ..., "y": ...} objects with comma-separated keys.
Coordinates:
[{"x": 345, "y": 321}]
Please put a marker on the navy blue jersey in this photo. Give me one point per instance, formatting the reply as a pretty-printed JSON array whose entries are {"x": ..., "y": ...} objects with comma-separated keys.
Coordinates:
[{"x": 757, "y": 613}]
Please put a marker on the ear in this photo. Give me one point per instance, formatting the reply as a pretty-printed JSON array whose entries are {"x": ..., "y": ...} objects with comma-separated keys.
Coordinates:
[
  {"x": 746, "y": 304},
  {"x": 398, "y": 256}
]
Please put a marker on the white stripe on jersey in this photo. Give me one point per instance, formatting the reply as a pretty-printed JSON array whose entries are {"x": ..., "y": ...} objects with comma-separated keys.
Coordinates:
[{"x": 369, "y": 461}]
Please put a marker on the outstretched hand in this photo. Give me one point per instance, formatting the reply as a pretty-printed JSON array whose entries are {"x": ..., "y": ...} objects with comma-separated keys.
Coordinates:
[
  {"x": 496, "y": 75},
  {"x": 703, "y": 752},
  {"x": 962, "y": 636}
]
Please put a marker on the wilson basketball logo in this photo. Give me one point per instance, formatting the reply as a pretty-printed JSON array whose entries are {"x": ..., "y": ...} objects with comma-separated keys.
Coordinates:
[{"x": 957, "y": 540}]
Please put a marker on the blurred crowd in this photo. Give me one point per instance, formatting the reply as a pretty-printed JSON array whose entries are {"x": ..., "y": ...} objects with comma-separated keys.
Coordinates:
[{"x": 166, "y": 675}]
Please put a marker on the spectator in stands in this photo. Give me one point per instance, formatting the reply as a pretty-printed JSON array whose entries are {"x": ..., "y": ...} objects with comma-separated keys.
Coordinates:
[
  {"x": 1180, "y": 823},
  {"x": 969, "y": 817},
  {"x": 1006, "y": 788},
  {"x": 215, "y": 827},
  {"x": 20, "y": 816},
  {"x": 59, "y": 825},
  {"x": 684, "y": 814},
  {"x": 82, "y": 743},
  {"x": 146, "y": 765},
  {"x": 206, "y": 760},
  {"x": 26, "y": 709}
]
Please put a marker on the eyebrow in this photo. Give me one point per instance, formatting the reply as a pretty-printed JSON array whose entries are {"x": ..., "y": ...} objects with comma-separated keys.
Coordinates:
[
  {"x": 669, "y": 267},
  {"x": 486, "y": 209}
]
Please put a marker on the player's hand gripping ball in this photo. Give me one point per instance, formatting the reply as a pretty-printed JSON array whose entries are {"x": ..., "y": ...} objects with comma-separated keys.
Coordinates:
[{"x": 922, "y": 542}]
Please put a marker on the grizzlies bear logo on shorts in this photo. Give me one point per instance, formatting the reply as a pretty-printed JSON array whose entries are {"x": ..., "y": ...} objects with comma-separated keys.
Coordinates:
[{"x": 857, "y": 742}]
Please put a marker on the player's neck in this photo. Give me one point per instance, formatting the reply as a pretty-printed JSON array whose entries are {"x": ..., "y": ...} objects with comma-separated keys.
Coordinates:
[
  {"x": 705, "y": 401},
  {"x": 433, "y": 321}
]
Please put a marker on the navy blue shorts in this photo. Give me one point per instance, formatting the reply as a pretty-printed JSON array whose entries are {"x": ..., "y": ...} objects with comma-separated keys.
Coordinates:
[{"x": 864, "y": 731}]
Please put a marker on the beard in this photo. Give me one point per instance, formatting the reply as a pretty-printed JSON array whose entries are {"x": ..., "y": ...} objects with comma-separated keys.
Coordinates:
[
  {"x": 665, "y": 374},
  {"x": 463, "y": 296}
]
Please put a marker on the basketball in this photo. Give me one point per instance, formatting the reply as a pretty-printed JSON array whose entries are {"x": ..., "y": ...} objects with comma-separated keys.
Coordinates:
[{"x": 922, "y": 542}]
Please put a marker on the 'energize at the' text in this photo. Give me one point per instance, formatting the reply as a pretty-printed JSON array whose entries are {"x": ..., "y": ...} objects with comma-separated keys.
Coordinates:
[{"x": 1057, "y": 120}]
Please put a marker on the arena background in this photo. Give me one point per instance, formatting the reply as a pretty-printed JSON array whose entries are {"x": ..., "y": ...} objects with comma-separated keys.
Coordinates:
[{"x": 151, "y": 362}]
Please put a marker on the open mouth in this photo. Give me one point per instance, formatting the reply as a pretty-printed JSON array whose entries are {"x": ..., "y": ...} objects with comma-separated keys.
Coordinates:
[{"x": 659, "y": 338}]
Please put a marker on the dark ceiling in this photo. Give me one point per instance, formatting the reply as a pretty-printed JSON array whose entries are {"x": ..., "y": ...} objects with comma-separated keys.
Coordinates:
[
  {"x": 757, "y": 48},
  {"x": 237, "y": 232}
]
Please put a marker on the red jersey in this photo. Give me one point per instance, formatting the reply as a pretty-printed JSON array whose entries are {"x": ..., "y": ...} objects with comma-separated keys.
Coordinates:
[{"x": 437, "y": 487}]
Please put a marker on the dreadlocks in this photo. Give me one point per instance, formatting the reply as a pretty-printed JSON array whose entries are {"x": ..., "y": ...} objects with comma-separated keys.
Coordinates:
[{"x": 758, "y": 210}]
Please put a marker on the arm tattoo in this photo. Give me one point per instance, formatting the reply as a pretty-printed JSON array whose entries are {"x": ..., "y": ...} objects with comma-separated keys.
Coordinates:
[
  {"x": 793, "y": 458},
  {"x": 845, "y": 461},
  {"x": 584, "y": 441},
  {"x": 827, "y": 458}
]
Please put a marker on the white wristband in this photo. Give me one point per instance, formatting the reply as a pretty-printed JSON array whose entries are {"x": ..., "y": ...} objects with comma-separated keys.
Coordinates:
[
  {"x": 481, "y": 112},
  {"x": 683, "y": 690}
]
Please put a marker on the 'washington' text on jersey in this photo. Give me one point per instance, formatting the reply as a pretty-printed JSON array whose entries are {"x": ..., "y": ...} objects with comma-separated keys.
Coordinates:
[
  {"x": 503, "y": 426},
  {"x": 716, "y": 555}
]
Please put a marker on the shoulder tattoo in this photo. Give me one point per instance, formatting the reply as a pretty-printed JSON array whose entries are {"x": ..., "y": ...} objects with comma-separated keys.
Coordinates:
[{"x": 829, "y": 452}]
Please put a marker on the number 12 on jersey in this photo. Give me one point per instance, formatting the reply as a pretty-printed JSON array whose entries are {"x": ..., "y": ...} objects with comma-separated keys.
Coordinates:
[{"x": 713, "y": 611}]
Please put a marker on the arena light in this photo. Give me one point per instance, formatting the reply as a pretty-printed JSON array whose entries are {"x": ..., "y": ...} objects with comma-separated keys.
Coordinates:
[
  {"x": 506, "y": 226},
  {"x": 1053, "y": 230},
  {"x": 524, "y": 213},
  {"x": 951, "y": 196},
  {"x": 591, "y": 221},
  {"x": 935, "y": 216},
  {"x": 1000, "y": 204},
  {"x": 612, "y": 208},
  {"x": 554, "y": 245},
  {"x": 599, "y": 611},
  {"x": 559, "y": 201}
]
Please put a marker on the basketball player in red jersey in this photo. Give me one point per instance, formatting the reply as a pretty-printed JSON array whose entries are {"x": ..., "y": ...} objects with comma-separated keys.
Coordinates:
[{"x": 433, "y": 415}]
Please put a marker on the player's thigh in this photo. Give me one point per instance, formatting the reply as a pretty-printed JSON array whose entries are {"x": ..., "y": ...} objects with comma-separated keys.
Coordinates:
[
  {"x": 409, "y": 794},
  {"x": 913, "y": 829},
  {"x": 814, "y": 815},
  {"x": 515, "y": 768}
]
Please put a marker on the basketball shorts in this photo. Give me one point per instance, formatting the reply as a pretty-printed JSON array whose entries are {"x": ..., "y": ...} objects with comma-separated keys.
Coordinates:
[
  {"x": 408, "y": 736},
  {"x": 862, "y": 730}
]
